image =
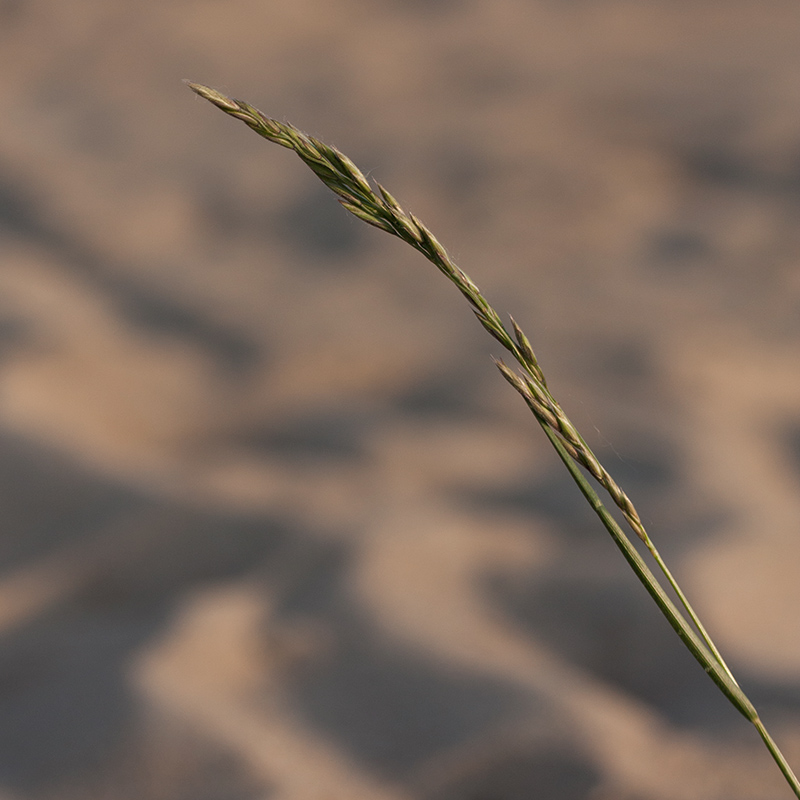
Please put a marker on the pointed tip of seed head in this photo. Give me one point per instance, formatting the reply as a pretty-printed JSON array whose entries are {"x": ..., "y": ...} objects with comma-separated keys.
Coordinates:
[
  {"x": 389, "y": 199},
  {"x": 212, "y": 95},
  {"x": 197, "y": 88},
  {"x": 519, "y": 335},
  {"x": 508, "y": 373},
  {"x": 521, "y": 338}
]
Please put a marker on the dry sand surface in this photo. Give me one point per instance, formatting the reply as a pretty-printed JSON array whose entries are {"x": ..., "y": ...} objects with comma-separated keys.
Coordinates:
[{"x": 271, "y": 524}]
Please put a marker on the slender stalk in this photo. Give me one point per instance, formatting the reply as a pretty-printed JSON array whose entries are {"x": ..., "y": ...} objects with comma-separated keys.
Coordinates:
[
  {"x": 724, "y": 681},
  {"x": 774, "y": 750},
  {"x": 685, "y": 603},
  {"x": 381, "y": 210},
  {"x": 582, "y": 453}
]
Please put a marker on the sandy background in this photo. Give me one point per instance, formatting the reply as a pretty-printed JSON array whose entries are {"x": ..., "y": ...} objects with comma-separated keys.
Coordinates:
[{"x": 271, "y": 525}]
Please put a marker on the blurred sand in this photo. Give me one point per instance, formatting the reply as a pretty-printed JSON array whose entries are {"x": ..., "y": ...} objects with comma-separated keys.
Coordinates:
[{"x": 272, "y": 525}]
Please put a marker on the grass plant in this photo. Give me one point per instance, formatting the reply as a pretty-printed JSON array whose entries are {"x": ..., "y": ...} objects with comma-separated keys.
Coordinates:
[{"x": 381, "y": 210}]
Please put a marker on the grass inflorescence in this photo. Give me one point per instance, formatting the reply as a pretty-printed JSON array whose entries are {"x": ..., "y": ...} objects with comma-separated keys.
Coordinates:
[{"x": 379, "y": 208}]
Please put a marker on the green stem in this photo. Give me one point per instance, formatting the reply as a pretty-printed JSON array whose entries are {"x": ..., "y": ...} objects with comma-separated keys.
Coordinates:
[
  {"x": 774, "y": 750},
  {"x": 678, "y": 622},
  {"x": 712, "y": 664},
  {"x": 642, "y": 534},
  {"x": 689, "y": 610}
]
